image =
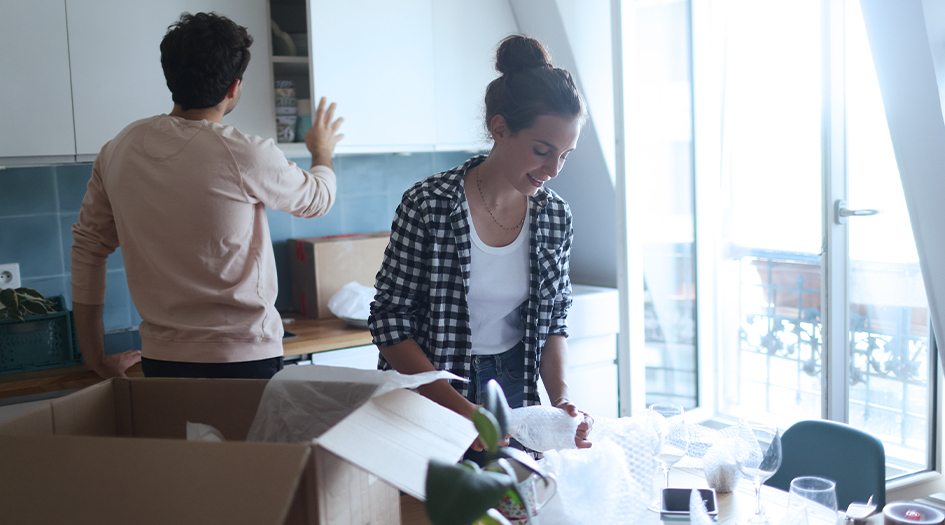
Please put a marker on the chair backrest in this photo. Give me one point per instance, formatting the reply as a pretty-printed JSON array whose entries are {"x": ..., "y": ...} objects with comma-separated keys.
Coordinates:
[{"x": 855, "y": 460}]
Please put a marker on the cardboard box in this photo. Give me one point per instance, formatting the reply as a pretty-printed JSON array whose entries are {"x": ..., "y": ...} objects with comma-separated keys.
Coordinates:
[
  {"x": 115, "y": 453},
  {"x": 320, "y": 266}
]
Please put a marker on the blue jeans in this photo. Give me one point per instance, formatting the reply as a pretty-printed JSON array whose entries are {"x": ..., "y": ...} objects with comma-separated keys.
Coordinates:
[{"x": 508, "y": 369}]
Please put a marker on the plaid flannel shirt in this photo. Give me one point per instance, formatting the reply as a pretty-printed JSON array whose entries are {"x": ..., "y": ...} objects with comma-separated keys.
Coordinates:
[{"x": 422, "y": 285}]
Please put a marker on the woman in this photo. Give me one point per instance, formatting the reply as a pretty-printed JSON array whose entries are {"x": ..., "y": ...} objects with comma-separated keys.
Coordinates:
[{"x": 475, "y": 278}]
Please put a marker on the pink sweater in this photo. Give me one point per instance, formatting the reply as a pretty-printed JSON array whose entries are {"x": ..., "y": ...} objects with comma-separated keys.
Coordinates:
[{"x": 186, "y": 201}]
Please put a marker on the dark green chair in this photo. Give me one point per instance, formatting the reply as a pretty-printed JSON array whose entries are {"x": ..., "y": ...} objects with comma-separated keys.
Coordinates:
[{"x": 855, "y": 460}]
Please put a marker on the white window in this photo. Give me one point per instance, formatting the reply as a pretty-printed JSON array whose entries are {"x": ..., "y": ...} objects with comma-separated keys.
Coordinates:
[{"x": 756, "y": 122}]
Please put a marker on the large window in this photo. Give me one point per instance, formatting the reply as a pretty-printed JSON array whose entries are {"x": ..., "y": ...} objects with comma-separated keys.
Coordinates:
[
  {"x": 804, "y": 312},
  {"x": 664, "y": 171}
]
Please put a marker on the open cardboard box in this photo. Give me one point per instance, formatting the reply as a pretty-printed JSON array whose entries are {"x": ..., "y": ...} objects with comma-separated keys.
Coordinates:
[{"x": 71, "y": 460}]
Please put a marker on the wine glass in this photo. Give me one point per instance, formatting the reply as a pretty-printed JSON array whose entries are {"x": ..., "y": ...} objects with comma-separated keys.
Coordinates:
[
  {"x": 818, "y": 495},
  {"x": 758, "y": 457},
  {"x": 668, "y": 421}
]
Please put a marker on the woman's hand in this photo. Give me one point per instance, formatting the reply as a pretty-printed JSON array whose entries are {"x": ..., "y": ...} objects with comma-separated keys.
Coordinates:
[{"x": 584, "y": 428}]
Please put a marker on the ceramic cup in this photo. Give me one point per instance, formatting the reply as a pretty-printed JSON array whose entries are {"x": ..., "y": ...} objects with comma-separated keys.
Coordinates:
[{"x": 528, "y": 487}]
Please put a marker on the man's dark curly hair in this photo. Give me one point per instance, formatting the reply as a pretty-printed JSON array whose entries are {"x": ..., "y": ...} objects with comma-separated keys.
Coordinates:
[{"x": 202, "y": 55}]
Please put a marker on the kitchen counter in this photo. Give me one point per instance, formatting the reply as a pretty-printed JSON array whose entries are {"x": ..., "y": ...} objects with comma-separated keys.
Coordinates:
[{"x": 313, "y": 336}]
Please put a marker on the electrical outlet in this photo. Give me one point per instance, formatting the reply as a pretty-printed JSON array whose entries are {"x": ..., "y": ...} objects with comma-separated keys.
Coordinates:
[{"x": 10, "y": 275}]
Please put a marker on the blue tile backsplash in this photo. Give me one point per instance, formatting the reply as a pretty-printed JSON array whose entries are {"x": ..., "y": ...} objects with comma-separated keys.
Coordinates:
[{"x": 38, "y": 206}]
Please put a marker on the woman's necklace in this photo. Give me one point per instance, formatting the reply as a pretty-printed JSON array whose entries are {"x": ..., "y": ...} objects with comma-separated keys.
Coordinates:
[{"x": 479, "y": 185}]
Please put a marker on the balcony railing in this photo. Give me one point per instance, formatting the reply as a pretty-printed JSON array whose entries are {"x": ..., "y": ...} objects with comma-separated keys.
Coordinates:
[{"x": 888, "y": 346}]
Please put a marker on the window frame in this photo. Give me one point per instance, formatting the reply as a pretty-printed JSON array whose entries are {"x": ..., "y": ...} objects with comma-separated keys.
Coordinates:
[{"x": 706, "y": 165}]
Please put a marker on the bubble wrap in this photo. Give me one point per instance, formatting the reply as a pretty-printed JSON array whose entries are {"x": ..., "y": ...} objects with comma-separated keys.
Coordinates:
[
  {"x": 717, "y": 453},
  {"x": 698, "y": 515},
  {"x": 607, "y": 483},
  {"x": 543, "y": 428},
  {"x": 720, "y": 466}
]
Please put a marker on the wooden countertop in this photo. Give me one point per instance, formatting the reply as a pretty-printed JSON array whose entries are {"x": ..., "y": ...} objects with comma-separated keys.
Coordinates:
[
  {"x": 323, "y": 335},
  {"x": 313, "y": 336}
]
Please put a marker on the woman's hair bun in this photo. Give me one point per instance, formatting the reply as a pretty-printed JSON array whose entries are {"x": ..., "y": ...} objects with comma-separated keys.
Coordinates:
[{"x": 519, "y": 52}]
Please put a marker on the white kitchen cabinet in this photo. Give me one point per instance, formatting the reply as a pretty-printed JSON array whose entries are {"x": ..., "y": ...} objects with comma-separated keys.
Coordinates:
[
  {"x": 465, "y": 37},
  {"x": 35, "y": 99},
  {"x": 116, "y": 65},
  {"x": 407, "y": 75},
  {"x": 375, "y": 59},
  {"x": 593, "y": 323}
]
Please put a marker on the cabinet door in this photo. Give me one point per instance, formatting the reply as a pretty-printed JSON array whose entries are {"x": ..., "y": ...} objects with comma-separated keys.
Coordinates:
[
  {"x": 35, "y": 96},
  {"x": 592, "y": 375},
  {"x": 466, "y": 35},
  {"x": 116, "y": 65},
  {"x": 375, "y": 59}
]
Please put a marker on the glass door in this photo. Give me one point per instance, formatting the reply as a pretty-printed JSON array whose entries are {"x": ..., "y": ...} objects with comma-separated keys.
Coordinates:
[
  {"x": 768, "y": 266},
  {"x": 816, "y": 314},
  {"x": 890, "y": 366}
]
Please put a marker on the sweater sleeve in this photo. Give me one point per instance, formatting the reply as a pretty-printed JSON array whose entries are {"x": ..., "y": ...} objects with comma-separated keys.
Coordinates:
[
  {"x": 94, "y": 238},
  {"x": 281, "y": 184}
]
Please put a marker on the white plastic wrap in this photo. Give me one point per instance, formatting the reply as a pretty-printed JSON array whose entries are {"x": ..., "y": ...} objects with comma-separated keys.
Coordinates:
[
  {"x": 698, "y": 515},
  {"x": 201, "y": 432},
  {"x": 544, "y": 428},
  {"x": 607, "y": 483},
  {"x": 300, "y": 403},
  {"x": 352, "y": 301},
  {"x": 720, "y": 467}
]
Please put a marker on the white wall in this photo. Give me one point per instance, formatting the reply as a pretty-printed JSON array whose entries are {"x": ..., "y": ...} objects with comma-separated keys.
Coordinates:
[{"x": 577, "y": 33}]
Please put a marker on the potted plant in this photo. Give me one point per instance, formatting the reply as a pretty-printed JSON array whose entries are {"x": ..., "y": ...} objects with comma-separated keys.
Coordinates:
[
  {"x": 23, "y": 302},
  {"x": 464, "y": 493}
]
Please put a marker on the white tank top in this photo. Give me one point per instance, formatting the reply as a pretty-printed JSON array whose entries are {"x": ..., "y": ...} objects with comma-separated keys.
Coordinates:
[{"x": 498, "y": 285}]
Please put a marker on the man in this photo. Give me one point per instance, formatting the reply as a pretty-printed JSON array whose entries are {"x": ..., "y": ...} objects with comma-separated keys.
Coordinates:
[{"x": 185, "y": 197}]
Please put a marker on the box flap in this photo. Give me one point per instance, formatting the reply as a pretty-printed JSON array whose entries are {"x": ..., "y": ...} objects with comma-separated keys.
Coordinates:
[
  {"x": 395, "y": 435},
  {"x": 78, "y": 479},
  {"x": 38, "y": 421}
]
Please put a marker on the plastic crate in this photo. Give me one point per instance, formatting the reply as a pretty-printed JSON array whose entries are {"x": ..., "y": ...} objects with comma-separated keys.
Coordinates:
[{"x": 38, "y": 342}]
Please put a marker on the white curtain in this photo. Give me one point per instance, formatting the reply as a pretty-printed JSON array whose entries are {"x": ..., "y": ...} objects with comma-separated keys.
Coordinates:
[{"x": 905, "y": 48}]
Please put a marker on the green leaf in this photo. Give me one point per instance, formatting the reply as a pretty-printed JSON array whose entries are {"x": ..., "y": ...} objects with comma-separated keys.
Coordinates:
[
  {"x": 457, "y": 495},
  {"x": 521, "y": 457},
  {"x": 494, "y": 401},
  {"x": 29, "y": 293},
  {"x": 488, "y": 429},
  {"x": 35, "y": 307},
  {"x": 9, "y": 299},
  {"x": 470, "y": 464}
]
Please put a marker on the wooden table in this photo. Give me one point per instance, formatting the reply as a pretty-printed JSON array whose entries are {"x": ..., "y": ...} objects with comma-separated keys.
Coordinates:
[
  {"x": 313, "y": 336},
  {"x": 732, "y": 506}
]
